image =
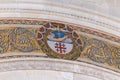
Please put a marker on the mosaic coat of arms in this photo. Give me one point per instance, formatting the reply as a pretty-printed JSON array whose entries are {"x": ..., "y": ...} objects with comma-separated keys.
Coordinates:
[{"x": 59, "y": 41}]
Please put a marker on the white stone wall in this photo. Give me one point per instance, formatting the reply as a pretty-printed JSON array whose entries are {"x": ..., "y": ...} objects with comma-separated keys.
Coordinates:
[
  {"x": 91, "y": 13},
  {"x": 43, "y": 75},
  {"x": 70, "y": 11},
  {"x": 52, "y": 69}
]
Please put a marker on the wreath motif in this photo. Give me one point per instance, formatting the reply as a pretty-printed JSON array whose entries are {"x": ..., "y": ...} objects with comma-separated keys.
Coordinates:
[{"x": 59, "y": 41}]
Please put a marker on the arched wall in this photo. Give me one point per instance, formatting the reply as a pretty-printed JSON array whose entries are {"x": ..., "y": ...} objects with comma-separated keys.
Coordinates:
[
  {"x": 97, "y": 55},
  {"x": 58, "y": 10},
  {"x": 70, "y": 69}
]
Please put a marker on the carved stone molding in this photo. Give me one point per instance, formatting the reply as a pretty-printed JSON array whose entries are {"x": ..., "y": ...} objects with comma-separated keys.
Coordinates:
[{"x": 57, "y": 65}]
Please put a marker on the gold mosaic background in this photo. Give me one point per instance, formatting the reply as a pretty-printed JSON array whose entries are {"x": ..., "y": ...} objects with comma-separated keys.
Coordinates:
[{"x": 26, "y": 39}]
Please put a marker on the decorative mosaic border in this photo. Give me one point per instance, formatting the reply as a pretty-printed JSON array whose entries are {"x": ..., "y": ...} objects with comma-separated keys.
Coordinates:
[
  {"x": 77, "y": 28},
  {"x": 34, "y": 39}
]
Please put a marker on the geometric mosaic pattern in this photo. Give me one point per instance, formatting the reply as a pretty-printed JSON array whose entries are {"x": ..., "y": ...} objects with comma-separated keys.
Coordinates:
[{"x": 58, "y": 41}]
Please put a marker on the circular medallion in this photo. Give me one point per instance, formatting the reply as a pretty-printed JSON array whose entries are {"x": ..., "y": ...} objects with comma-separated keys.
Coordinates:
[
  {"x": 59, "y": 41},
  {"x": 98, "y": 51},
  {"x": 22, "y": 39}
]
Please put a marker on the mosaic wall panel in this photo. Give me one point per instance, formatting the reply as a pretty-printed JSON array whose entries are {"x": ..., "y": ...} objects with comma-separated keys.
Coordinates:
[{"x": 58, "y": 41}]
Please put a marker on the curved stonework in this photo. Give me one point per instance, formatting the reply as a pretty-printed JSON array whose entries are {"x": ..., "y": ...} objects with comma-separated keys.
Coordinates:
[
  {"x": 58, "y": 40},
  {"x": 76, "y": 69},
  {"x": 58, "y": 10},
  {"x": 44, "y": 35},
  {"x": 42, "y": 75}
]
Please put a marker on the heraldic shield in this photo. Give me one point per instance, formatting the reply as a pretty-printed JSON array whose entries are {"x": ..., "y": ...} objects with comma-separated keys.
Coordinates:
[{"x": 59, "y": 41}]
